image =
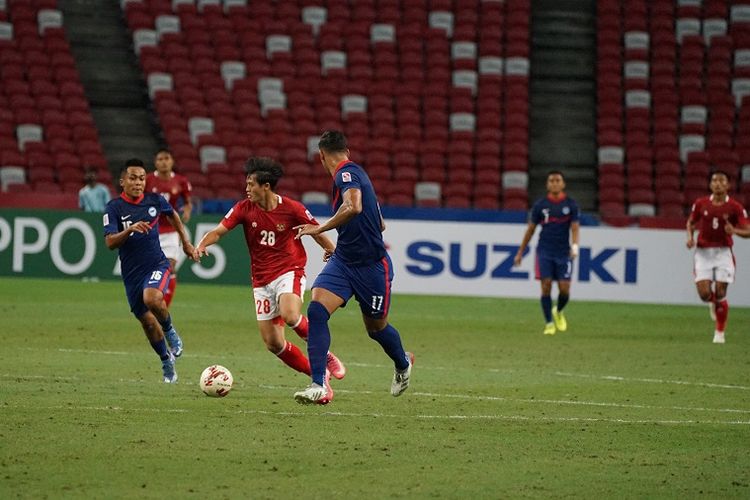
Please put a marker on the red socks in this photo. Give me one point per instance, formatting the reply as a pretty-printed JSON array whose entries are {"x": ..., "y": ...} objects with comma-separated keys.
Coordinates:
[
  {"x": 301, "y": 328},
  {"x": 722, "y": 311},
  {"x": 293, "y": 357},
  {"x": 169, "y": 295}
]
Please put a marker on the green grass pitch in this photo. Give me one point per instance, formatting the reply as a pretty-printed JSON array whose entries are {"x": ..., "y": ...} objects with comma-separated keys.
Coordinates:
[{"x": 632, "y": 401}]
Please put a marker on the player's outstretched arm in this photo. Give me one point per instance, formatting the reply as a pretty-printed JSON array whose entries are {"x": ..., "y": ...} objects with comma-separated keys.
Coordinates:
[
  {"x": 522, "y": 248},
  {"x": 351, "y": 206},
  {"x": 209, "y": 239},
  {"x": 187, "y": 247}
]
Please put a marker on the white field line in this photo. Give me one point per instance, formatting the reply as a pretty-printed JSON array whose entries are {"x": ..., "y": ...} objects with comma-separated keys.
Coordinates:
[
  {"x": 615, "y": 378},
  {"x": 390, "y": 415},
  {"x": 654, "y": 381},
  {"x": 557, "y": 402}
]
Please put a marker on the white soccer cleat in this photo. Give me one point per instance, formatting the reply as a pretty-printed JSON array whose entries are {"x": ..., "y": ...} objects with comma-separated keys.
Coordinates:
[
  {"x": 167, "y": 368},
  {"x": 718, "y": 337},
  {"x": 401, "y": 378},
  {"x": 712, "y": 310},
  {"x": 312, "y": 394}
]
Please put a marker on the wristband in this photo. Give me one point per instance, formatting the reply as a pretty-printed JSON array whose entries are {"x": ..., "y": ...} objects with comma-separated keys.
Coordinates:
[{"x": 574, "y": 248}]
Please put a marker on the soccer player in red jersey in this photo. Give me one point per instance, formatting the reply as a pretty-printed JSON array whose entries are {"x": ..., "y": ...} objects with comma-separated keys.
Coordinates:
[
  {"x": 714, "y": 260},
  {"x": 277, "y": 261},
  {"x": 176, "y": 189}
]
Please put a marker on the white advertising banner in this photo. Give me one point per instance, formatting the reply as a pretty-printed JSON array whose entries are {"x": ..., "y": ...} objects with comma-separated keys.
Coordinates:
[{"x": 476, "y": 259}]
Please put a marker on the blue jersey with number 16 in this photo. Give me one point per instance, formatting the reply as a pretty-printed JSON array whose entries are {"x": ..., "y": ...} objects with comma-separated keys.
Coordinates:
[{"x": 141, "y": 253}]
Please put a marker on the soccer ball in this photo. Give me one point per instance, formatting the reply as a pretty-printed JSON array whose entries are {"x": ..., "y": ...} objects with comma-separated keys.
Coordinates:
[{"x": 216, "y": 381}]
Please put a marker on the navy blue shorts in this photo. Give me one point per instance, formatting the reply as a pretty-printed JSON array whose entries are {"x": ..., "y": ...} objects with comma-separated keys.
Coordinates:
[
  {"x": 554, "y": 268},
  {"x": 370, "y": 284},
  {"x": 156, "y": 278}
]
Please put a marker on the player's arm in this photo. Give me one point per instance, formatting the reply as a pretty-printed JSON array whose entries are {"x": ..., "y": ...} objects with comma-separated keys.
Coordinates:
[
  {"x": 187, "y": 208},
  {"x": 187, "y": 247},
  {"x": 351, "y": 206},
  {"x": 116, "y": 240},
  {"x": 690, "y": 227},
  {"x": 209, "y": 239},
  {"x": 575, "y": 228},
  {"x": 524, "y": 242},
  {"x": 326, "y": 244}
]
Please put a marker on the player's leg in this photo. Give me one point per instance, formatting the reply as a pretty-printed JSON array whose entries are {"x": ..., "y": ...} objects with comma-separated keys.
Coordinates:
[
  {"x": 155, "y": 336},
  {"x": 372, "y": 288},
  {"x": 544, "y": 269},
  {"x": 170, "y": 245},
  {"x": 562, "y": 273},
  {"x": 153, "y": 298},
  {"x": 722, "y": 310},
  {"x": 291, "y": 289},
  {"x": 330, "y": 291},
  {"x": 272, "y": 333}
]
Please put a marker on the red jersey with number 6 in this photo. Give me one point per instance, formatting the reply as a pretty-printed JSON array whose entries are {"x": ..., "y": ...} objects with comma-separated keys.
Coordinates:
[
  {"x": 710, "y": 219},
  {"x": 176, "y": 190},
  {"x": 270, "y": 237}
]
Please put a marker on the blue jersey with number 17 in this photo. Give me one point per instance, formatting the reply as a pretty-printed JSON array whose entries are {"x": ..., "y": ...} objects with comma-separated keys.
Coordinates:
[
  {"x": 555, "y": 217},
  {"x": 360, "y": 241},
  {"x": 141, "y": 253}
]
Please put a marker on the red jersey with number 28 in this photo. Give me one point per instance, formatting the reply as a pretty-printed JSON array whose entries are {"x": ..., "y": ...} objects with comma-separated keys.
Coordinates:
[
  {"x": 710, "y": 219},
  {"x": 270, "y": 237}
]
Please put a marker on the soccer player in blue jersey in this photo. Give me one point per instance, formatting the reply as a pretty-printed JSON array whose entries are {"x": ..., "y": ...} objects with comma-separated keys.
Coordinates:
[
  {"x": 131, "y": 226},
  {"x": 359, "y": 267},
  {"x": 558, "y": 215}
]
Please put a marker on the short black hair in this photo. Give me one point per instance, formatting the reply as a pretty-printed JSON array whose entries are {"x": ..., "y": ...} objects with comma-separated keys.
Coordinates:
[
  {"x": 132, "y": 162},
  {"x": 555, "y": 172},
  {"x": 333, "y": 141},
  {"x": 718, "y": 171},
  {"x": 163, "y": 150},
  {"x": 265, "y": 170}
]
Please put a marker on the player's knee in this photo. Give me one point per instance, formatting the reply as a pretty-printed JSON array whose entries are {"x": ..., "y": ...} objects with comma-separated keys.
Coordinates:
[
  {"x": 317, "y": 313},
  {"x": 275, "y": 346}
]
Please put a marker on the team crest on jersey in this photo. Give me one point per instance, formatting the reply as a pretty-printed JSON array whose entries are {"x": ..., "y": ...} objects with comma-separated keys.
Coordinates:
[
  {"x": 280, "y": 227},
  {"x": 152, "y": 211},
  {"x": 346, "y": 177},
  {"x": 566, "y": 210},
  {"x": 254, "y": 224}
]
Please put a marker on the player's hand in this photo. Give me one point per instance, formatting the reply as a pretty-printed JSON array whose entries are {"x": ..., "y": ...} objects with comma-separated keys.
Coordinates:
[
  {"x": 142, "y": 227},
  {"x": 517, "y": 259},
  {"x": 328, "y": 254},
  {"x": 189, "y": 250},
  {"x": 201, "y": 251},
  {"x": 574, "y": 251},
  {"x": 311, "y": 229},
  {"x": 728, "y": 227},
  {"x": 690, "y": 243}
]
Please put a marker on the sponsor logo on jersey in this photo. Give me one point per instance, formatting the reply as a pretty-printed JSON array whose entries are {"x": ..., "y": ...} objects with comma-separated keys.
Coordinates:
[
  {"x": 346, "y": 177},
  {"x": 152, "y": 211}
]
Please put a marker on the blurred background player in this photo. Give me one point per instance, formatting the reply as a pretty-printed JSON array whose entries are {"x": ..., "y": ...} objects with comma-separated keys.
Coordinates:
[
  {"x": 131, "y": 225},
  {"x": 713, "y": 258},
  {"x": 176, "y": 189},
  {"x": 558, "y": 215},
  {"x": 360, "y": 266},
  {"x": 93, "y": 197},
  {"x": 277, "y": 261}
]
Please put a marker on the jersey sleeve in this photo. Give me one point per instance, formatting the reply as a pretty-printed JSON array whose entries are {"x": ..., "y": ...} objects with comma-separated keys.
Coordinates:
[
  {"x": 695, "y": 212},
  {"x": 164, "y": 206},
  {"x": 109, "y": 220},
  {"x": 575, "y": 212},
  {"x": 187, "y": 189},
  {"x": 347, "y": 179},
  {"x": 303, "y": 215},
  {"x": 233, "y": 217},
  {"x": 535, "y": 215}
]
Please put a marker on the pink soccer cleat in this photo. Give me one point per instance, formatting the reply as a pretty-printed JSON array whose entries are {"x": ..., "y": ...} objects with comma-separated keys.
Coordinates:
[{"x": 335, "y": 366}]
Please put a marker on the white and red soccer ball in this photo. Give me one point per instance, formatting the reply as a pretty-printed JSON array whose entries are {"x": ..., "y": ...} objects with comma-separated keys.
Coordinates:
[{"x": 216, "y": 381}]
